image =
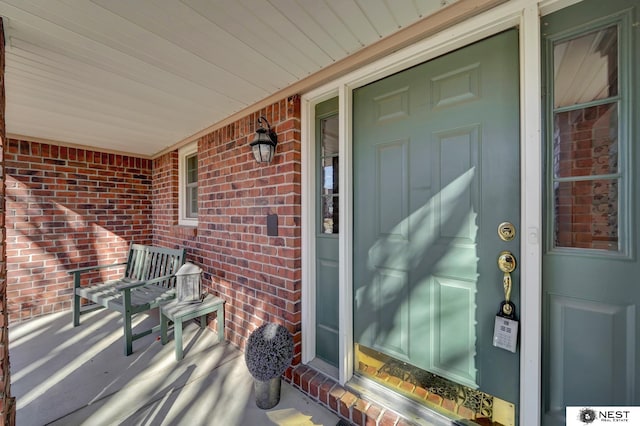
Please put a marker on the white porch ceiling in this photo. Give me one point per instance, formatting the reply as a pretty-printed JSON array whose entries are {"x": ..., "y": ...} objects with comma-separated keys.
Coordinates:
[{"x": 139, "y": 76}]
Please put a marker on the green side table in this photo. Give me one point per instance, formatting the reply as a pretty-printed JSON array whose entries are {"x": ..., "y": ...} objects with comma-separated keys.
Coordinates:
[{"x": 181, "y": 312}]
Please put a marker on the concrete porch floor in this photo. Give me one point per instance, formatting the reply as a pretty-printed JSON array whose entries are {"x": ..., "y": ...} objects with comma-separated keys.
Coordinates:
[{"x": 63, "y": 375}]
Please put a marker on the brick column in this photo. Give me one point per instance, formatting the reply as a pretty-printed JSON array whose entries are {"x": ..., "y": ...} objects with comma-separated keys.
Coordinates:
[{"x": 7, "y": 403}]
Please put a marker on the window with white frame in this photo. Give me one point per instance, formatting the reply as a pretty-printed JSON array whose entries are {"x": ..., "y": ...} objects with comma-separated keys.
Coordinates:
[{"x": 188, "y": 182}]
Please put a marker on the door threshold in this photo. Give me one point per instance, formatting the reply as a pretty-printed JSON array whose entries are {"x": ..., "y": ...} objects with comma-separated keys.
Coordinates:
[{"x": 405, "y": 407}]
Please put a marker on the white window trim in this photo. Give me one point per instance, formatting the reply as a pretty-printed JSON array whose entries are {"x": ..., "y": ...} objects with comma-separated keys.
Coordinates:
[
  {"x": 524, "y": 14},
  {"x": 183, "y": 153}
]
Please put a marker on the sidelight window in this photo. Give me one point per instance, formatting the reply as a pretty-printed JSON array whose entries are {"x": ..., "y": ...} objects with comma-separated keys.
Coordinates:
[{"x": 586, "y": 174}]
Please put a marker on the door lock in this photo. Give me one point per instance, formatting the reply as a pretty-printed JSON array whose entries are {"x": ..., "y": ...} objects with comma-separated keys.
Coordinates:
[
  {"x": 506, "y": 231},
  {"x": 507, "y": 264}
]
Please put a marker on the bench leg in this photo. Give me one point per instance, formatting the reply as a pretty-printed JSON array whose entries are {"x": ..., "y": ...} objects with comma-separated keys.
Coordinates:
[
  {"x": 164, "y": 324},
  {"x": 177, "y": 336},
  {"x": 220, "y": 319},
  {"x": 128, "y": 333},
  {"x": 76, "y": 299},
  {"x": 76, "y": 310}
]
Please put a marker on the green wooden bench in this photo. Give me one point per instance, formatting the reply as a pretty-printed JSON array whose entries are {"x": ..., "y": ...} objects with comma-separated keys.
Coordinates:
[{"x": 148, "y": 282}]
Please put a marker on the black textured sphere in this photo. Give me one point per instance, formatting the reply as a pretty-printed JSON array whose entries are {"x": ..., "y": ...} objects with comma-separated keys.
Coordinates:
[{"x": 269, "y": 351}]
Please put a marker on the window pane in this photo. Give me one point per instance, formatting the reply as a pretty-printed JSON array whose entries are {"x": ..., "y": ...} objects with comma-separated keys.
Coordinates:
[
  {"x": 329, "y": 129},
  {"x": 192, "y": 169},
  {"x": 330, "y": 215},
  {"x": 330, "y": 176},
  {"x": 192, "y": 201},
  {"x": 587, "y": 214},
  {"x": 586, "y": 68},
  {"x": 586, "y": 141}
]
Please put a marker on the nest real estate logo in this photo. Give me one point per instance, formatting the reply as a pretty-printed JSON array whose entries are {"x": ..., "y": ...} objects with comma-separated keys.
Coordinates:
[{"x": 581, "y": 416}]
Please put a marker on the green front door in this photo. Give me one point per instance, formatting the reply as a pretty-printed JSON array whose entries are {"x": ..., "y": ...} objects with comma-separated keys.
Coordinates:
[
  {"x": 591, "y": 267},
  {"x": 436, "y": 171}
]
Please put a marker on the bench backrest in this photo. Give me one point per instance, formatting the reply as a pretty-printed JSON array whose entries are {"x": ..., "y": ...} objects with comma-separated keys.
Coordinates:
[{"x": 149, "y": 262}]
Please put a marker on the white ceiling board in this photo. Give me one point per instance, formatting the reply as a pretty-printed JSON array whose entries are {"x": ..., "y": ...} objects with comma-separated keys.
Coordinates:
[
  {"x": 189, "y": 39},
  {"x": 352, "y": 15},
  {"x": 74, "y": 49},
  {"x": 285, "y": 27},
  {"x": 54, "y": 123},
  {"x": 140, "y": 76},
  {"x": 333, "y": 25},
  {"x": 315, "y": 31},
  {"x": 379, "y": 15},
  {"x": 255, "y": 35},
  {"x": 402, "y": 12},
  {"x": 427, "y": 7},
  {"x": 86, "y": 107},
  {"x": 24, "y": 66}
]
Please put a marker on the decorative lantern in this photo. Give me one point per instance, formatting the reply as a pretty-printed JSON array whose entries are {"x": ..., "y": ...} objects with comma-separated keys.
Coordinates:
[
  {"x": 189, "y": 283},
  {"x": 264, "y": 143}
]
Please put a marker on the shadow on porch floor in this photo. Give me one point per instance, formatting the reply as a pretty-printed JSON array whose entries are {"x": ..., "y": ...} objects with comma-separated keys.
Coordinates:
[{"x": 63, "y": 375}]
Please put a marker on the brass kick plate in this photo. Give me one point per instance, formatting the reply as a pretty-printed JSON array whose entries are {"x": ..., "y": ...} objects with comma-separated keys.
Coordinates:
[{"x": 504, "y": 412}]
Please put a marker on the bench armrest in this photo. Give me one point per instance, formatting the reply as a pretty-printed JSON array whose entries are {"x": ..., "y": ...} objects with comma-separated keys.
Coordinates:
[{"x": 79, "y": 271}]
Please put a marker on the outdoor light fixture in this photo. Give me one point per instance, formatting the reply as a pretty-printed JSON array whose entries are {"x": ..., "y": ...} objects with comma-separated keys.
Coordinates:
[{"x": 264, "y": 144}]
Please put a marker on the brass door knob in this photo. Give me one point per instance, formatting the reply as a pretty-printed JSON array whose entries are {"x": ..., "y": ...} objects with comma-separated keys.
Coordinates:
[{"x": 507, "y": 264}]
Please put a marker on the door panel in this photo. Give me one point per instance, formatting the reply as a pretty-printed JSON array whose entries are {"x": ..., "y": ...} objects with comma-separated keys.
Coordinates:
[
  {"x": 436, "y": 169},
  {"x": 454, "y": 296},
  {"x": 591, "y": 353},
  {"x": 602, "y": 324}
]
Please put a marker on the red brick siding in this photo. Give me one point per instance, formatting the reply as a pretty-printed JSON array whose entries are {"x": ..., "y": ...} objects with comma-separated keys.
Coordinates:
[
  {"x": 164, "y": 200},
  {"x": 7, "y": 403},
  {"x": 258, "y": 275},
  {"x": 67, "y": 208}
]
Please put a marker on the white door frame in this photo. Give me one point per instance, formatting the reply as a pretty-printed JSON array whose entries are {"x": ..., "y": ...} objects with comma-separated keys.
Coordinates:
[{"x": 524, "y": 14}]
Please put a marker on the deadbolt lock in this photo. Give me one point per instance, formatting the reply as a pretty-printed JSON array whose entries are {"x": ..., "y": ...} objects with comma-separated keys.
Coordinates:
[{"x": 506, "y": 231}]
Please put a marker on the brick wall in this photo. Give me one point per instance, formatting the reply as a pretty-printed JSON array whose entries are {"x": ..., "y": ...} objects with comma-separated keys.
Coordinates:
[
  {"x": 7, "y": 403},
  {"x": 68, "y": 208},
  {"x": 259, "y": 276}
]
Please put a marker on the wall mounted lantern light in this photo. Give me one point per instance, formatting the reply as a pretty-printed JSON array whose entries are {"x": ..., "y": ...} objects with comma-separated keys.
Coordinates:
[{"x": 264, "y": 144}]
